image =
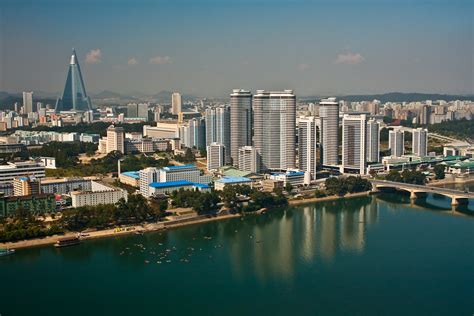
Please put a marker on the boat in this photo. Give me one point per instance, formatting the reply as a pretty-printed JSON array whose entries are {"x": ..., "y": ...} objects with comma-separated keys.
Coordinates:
[
  {"x": 67, "y": 241},
  {"x": 6, "y": 252}
]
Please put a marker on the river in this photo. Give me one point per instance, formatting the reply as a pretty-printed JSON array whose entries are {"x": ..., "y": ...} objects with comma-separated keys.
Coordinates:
[{"x": 364, "y": 256}]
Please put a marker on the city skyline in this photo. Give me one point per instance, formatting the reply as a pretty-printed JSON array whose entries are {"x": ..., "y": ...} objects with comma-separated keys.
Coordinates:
[{"x": 322, "y": 47}]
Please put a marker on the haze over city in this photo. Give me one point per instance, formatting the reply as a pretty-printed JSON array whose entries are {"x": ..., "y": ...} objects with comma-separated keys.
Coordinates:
[{"x": 207, "y": 48}]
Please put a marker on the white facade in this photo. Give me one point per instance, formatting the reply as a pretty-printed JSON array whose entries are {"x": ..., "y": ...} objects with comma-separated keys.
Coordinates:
[
  {"x": 240, "y": 122},
  {"x": 307, "y": 143},
  {"x": 161, "y": 130},
  {"x": 27, "y": 102},
  {"x": 147, "y": 176},
  {"x": 65, "y": 185},
  {"x": 218, "y": 128},
  {"x": 115, "y": 139},
  {"x": 329, "y": 113},
  {"x": 420, "y": 142},
  {"x": 373, "y": 141},
  {"x": 176, "y": 103},
  {"x": 174, "y": 173},
  {"x": 215, "y": 156},
  {"x": 396, "y": 142},
  {"x": 249, "y": 159},
  {"x": 14, "y": 170},
  {"x": 99, "y": 194},
  {"x": 274, "y": 114},
  {"x": 354, "y": 132}
]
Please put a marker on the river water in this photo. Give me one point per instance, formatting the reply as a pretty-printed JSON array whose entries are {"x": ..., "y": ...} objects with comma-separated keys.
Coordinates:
[{"x": 363, "y": 256}]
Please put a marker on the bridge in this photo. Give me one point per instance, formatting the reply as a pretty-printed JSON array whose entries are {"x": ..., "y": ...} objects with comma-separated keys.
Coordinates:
[{"x": 457, "y": 197}]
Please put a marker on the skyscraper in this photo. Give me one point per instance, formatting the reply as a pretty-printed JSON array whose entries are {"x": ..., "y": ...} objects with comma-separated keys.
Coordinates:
[
  {"x": 425, "y": 114},
  {"x": 354, "y": 132},
  {"x": 175, "y": 103},
  {"x": 240, "y": 122},
  {"x": 373, "y": 141},
  {"x": 396, "y": 142},
  {"x": 215, "y": 156},
  {"x": 193, "y": 134},
  {"x": 420, "y": 142},
  {"x": 132, "y": 110},
  {"x": 218, "y": 128},
  {"x": 329, "y": 113},
  {"x": 307, "y": 145},
  {"x": 274, "y": 115},
  {"x": 27, "y": 102},
  {"x": 74, "y": 95}
]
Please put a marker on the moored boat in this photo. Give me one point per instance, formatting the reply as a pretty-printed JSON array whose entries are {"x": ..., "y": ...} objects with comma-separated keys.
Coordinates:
[
  {"x": 6, "y": 252},
  {"x": 67, "y": 241}
]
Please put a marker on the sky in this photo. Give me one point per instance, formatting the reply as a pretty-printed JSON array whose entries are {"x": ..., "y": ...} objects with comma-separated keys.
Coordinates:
[{"x": 209, "y": 47}]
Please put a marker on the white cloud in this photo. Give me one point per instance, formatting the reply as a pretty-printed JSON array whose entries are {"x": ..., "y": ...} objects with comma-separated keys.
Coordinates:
[
  {"x": 349, "y": 59},
  {"x": 132, "y": 61},
  {"x": 160, "y": 60},
  {"x": 303, "y": 67},
  {"x": 94, "y": 56}
]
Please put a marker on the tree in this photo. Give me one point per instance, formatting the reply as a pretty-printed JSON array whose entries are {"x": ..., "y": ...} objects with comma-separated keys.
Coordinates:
[
  {"x": 439, "y": 171},
  {"x": 319, "y": 194},
  {"x": 288, "y": 187},
  {"x": 335, "y": 186}
]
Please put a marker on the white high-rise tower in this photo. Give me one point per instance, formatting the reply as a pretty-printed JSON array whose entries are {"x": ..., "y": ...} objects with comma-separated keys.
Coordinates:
[
  {"x": 274, "y": 128},
  {"x": 240, "y": 122},
  {"x": 354, "y": 132},
  {"x": 307, "y": 141},
  {"x": 373, "y": 141},
  {"x": 420, "y": 142},
  {"x": 329, "y": 113},
  {"x": 396, "y": 142},
  {"x": 175, "y": 103}
]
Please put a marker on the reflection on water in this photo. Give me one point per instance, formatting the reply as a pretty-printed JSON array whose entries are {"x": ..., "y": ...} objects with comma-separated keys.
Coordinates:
[{"x": 305, "y": 234}]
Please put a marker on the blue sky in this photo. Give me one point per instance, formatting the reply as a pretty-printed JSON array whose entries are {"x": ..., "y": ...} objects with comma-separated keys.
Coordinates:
[{"x": 209, "y": 47}]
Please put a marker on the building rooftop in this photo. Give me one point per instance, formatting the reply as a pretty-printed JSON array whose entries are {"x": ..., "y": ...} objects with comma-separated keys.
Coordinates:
[
  {"x": 179, "y": 167},
  {"x": 179, "y": 183},
  {"x": 132, "y": 174},
  {"x": 233, "y": 180}
]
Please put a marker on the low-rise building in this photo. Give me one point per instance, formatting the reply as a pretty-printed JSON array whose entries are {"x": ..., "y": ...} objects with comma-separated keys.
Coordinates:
[
  {"x": 66, "y": 185},
  {"x": 220, "y": 184},
  {"x": 14, "y": 170},
  {"x": 131, "y": 178},
  {"x": 100, "y": 194},
  {"x": 168, "y": 187},
  {"x": 268, "y": 185},
  {"x": 295, "y": 178},
  {"x": 36, "y": 204}
]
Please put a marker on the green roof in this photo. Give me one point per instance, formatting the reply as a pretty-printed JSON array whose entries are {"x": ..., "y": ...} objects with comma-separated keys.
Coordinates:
[{"x": 234, "y": 172}]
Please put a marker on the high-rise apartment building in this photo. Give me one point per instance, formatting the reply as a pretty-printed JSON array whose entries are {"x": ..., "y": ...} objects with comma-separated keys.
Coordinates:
[
  {"x": 175, "y": 103},
  {"x": 274, "y": 114},
  {"x": 240, "y": 122},
  {"x": 396, "y": 142},
  {"x": 26, "y": 186},
  {"x": 425, "y": 114},
  {"x": 354, "y": 132},
  {"x": 27, "y": 102},
  {"x": 307, "y": 143},
  {"x": 115, "y": 139},
  {"x": 420, "y": 142},
  {"x": 329, "y": 113},
  {"x": 218, "y": 128},
  {"x": 373, "y": 141},
  {"x": 147, "y": 176},
  {"x": 193, "y": 134},
  {"x": 74, "y": 95},
  {"x": 249, "y": 159},
  {"x": 132, "y": 110},
  {"x": 215, "y": 156}
]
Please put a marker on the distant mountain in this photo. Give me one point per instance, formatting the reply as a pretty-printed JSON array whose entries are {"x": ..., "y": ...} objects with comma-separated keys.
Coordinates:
[
  {"x": 399, "y": 97},
  {"x": 107, "y": 95}
]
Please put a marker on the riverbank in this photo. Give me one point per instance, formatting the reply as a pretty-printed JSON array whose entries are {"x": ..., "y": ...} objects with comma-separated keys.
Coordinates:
[
  {"x": 150, "y": 227},
  {"x": 113, "y": 232},
  {"x": 438, "y": 183},
  {"x": 328, "y": 198}
]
